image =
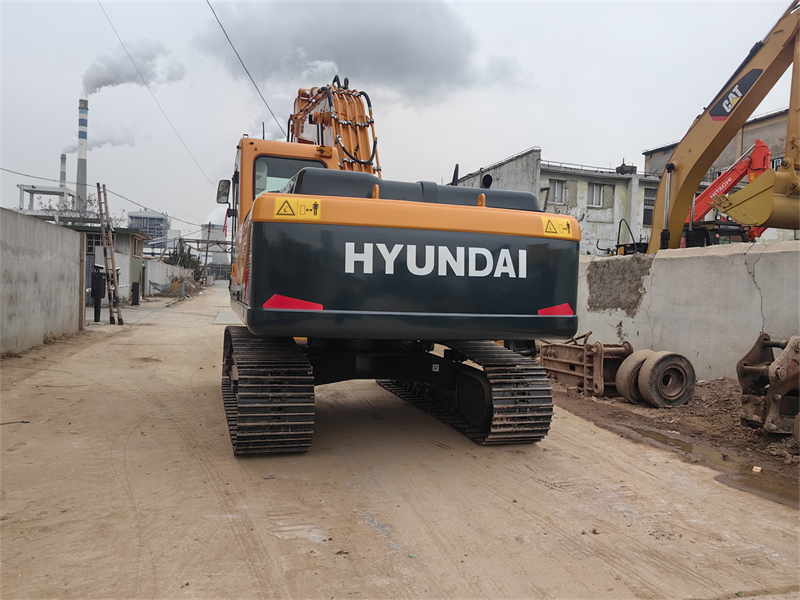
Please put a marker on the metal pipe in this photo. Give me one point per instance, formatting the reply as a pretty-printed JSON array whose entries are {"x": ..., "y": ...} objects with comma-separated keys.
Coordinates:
[
  {"x": 775, "y": 344},
  {"x": 762, "y": 370},
  {"x": 665, "y": 229}
]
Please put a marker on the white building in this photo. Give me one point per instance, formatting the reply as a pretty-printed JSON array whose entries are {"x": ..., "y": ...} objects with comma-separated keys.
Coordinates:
[
  {"x": 154, "y": 224},
  {"x": 598, "y": 198}
]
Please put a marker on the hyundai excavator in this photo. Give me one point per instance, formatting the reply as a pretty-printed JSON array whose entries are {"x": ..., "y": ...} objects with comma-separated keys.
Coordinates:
[
  {"x": 340, "y": 274},
  {"x": 773, "y": 198}
]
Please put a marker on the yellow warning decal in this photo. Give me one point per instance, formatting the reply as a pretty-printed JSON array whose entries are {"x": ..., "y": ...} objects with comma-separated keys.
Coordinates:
[
  {"x": 557, "y": 227},
  {"x": 304, "y": 208}
]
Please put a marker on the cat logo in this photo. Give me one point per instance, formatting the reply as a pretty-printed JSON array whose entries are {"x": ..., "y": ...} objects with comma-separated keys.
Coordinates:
[{"x": 731, "y": 98}]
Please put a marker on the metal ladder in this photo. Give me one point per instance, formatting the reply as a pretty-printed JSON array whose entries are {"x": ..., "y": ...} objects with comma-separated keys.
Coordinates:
[{"x": 107, "y": 235}]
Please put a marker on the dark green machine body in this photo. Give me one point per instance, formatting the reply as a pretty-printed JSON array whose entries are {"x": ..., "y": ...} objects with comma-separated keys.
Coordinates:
[
  {"x": 372, "y": 302},
  {"x": 336, "y": 281},
  {"x": 372, "y": 297}
]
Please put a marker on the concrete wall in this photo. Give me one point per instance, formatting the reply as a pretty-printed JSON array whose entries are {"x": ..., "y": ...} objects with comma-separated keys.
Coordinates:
[
  {"x": 709, "y": 304},
  {"x": 42, "y": 279},
  {"x": 161, "y": 273}
]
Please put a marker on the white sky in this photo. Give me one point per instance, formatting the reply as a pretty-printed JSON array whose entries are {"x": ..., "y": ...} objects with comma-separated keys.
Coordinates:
[{"x": 472, "y": 83}]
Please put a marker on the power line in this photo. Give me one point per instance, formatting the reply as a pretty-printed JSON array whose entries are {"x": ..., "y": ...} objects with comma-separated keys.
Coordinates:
[
  {"x": 244, "y": 67},
  {"x": 113, "y": 193},
  {"x": 211, "y": 183}
]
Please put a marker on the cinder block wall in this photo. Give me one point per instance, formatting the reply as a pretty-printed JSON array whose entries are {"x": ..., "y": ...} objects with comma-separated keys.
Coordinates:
[
  {"x": 709, "y": 304},
  {"x": 40, "y": 288}
]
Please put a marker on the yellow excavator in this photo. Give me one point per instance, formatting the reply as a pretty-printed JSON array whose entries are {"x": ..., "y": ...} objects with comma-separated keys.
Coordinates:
[
  {"x": 772, "y": 199},
  {"x": 340, "y": 274}
]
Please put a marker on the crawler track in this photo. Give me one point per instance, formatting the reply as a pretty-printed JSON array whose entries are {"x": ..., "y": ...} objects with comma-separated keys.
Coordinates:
[
  {"x": 268, "y": 392},
  {"x": 522, "y": 402}
]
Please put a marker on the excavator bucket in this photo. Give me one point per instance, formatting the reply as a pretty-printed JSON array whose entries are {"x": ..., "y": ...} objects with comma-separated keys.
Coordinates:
[{"x": 772, "y": 200}]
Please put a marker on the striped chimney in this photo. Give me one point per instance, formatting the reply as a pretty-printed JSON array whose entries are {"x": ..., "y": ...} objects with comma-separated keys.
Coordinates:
[
  {"x": 83, "y": 123},
  {"x": 63, "y": 181}
]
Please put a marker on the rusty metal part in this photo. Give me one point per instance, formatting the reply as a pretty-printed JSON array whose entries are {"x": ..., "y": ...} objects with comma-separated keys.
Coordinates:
[
  {"x": 666, "y": 379},
  {"x": 771, "y": 387},
  {"x": 627, "y": 379},
  {"x": 591, "y": 367}
]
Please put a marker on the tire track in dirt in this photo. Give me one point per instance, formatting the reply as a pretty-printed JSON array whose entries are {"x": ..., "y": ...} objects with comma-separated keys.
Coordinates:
[
  {"x": 172, "y": 408},
  {"x": 629, "y": 524},
  {"x": 118, "y": 454}
]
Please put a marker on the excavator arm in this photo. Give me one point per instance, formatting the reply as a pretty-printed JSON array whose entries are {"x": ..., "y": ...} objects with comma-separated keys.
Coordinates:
[
  {"x": 753, "y": 163},
  {"x": 716, "y": 127}
]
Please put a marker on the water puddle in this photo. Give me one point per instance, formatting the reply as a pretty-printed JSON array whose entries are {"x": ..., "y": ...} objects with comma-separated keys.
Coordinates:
[{"x": 739, "y": 470}]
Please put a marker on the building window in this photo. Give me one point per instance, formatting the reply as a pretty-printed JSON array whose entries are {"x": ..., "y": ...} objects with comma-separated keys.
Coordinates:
[
  {"x": 595, "y": 196},
  {"x": 649, "y": 206},
  {"x": 137, "y": 247},
  {"x": 93, "y": 240},
  {"x": 557, "y": 192}
]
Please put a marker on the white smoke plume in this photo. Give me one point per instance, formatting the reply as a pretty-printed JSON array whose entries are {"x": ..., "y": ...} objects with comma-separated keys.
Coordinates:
[
  {"x": 113, "y": 67},
  {"x": 295, "y": 60},
  {"x": 103, "y": 137}
]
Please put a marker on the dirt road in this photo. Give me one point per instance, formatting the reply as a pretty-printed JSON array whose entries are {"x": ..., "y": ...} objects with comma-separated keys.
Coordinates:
[{"x": 121, "y": 484}]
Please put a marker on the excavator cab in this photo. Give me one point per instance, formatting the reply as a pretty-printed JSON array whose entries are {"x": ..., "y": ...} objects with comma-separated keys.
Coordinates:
[{"x": 272, "y": 173}]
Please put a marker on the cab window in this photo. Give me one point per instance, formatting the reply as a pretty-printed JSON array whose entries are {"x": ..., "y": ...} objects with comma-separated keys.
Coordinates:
[{"x": 272, "y": 172}]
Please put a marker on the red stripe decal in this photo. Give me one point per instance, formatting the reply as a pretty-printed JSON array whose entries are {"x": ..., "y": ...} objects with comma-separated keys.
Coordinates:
[
  {"x": 562, "y": 310},
  {"x": 292, "y": 303}
]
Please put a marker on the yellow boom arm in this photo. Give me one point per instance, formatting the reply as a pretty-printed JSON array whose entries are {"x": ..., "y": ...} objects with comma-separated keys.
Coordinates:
[{"x": 716, "y": 127}]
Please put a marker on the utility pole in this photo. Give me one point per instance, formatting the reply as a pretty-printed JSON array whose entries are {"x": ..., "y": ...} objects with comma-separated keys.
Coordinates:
[{"x": 205, "y": 266}]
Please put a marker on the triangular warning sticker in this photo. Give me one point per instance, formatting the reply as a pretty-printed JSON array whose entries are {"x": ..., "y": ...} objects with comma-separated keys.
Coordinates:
[
  {"x": 286, "y": 209},
  {"x": 550, "y": 228}
]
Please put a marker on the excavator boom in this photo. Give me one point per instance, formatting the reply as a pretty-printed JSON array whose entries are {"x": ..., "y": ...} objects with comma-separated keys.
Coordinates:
[{"x": 711, "y": 132}]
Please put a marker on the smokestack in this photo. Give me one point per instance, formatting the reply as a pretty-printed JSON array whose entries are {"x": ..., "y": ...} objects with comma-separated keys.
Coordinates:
[
  {"x": 83, "y": 124},
  {"x": 62, "y": 183}
]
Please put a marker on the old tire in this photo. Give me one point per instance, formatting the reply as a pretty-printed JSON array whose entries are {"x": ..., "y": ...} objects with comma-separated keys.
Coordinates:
[
  {"x": 666, "y": 379},
  {"x": 627, "y": 378}
]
